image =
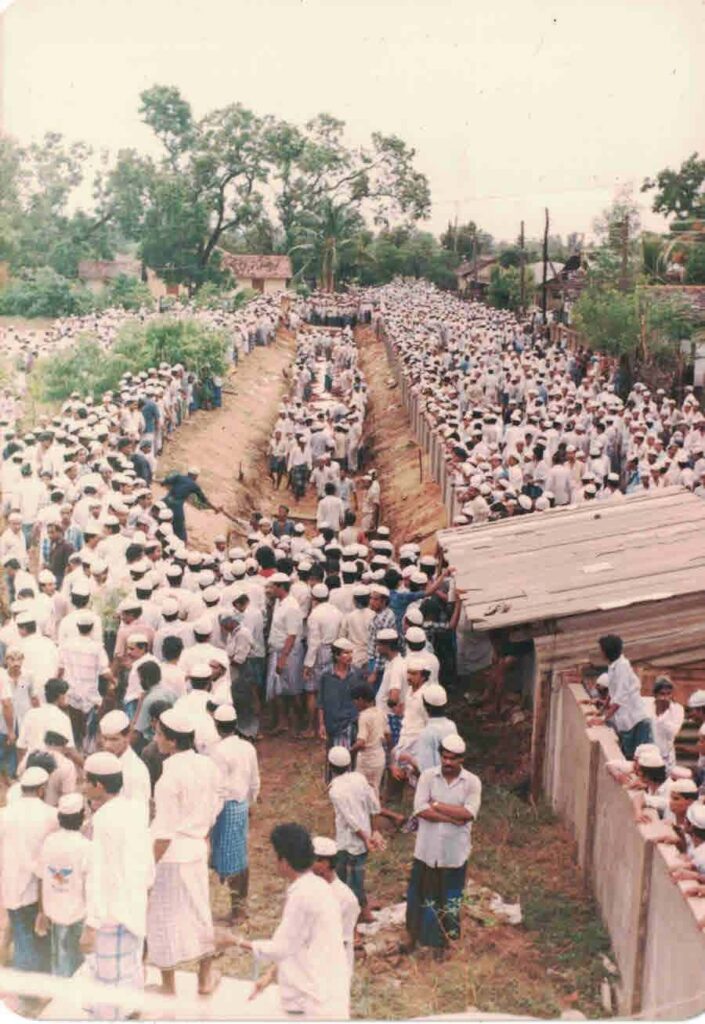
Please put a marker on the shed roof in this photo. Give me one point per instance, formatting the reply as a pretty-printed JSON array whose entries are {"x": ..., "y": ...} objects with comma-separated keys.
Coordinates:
[
  {"x": 267, "y": 267},
  {"x": 577, "y": 561}
]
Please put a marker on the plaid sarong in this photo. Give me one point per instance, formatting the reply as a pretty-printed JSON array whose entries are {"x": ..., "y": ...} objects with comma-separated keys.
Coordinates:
[
  {"x": 229, "y": 839},
  {"x": 179, "y": 919},
  {"x": 116, "y": 960}
]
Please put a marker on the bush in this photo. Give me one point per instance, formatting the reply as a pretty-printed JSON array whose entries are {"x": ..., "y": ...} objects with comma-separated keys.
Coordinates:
[
  {"x": 695, "y": 265},
  {"x": 45, "y": 293},
  {"x": 88, "y": 368},
  {"x": 128, "y": 293}
]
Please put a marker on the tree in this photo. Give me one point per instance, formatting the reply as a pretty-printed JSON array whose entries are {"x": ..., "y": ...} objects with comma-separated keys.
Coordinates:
[
  {"x": 466, "y": 239},
  {"x": 204, "y": 185},
  {"x": 504, "y": 290},
  {"x": 695, "y": 265},
  {"x": 326, "y": 235},
  {"x": 679, "y": 193},
  {"x": 45, "y": 293},
  {"x": 313, "y": 164}
]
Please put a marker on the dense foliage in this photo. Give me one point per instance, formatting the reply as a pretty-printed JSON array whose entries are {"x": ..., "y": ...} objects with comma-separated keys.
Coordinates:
[
  {"x": 45, "y": 293},
  {"x": 90, "y": 369}
]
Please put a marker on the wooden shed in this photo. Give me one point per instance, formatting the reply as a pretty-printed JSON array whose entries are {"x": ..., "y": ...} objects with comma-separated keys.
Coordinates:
[{"x": 565, "y": 577}]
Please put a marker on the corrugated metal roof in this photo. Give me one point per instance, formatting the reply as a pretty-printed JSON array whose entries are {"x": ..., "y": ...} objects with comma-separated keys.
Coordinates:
[{"x": 573, "y": 561}]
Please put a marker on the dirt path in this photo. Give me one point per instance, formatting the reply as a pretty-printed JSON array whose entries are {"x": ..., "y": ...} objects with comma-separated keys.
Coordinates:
[
  {"x": 412, "y": 507},
  {"x": 229, "y": 445}
]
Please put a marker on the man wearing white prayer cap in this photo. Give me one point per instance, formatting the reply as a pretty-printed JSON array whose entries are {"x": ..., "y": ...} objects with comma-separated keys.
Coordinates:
[
  {"x": 446, "y": 802},
  {"x": 355, "y": 803},
  {"x": 692, "y": 866},
  {"x": 186, "y": 805},
  {"x": 27, "y": 822},
  {"x": 115, "y": 737},
  {"x": 62, "y": 867},
  {"x": 325, "y": 852},
  {"x": 122, "y": 871}
]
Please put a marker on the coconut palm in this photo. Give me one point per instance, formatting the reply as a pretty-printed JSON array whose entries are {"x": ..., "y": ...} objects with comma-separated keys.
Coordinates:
[{"x": 327, "y": 234}]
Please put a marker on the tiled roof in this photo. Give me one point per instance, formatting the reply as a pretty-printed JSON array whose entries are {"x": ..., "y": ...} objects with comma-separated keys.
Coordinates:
[
  {"x": 257, "y": 266},
  {"x": 693, "y": 294}
]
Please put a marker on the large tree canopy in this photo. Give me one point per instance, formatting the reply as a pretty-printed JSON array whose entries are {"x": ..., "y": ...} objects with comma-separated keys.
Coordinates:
[{"x": 679, "y": 193}]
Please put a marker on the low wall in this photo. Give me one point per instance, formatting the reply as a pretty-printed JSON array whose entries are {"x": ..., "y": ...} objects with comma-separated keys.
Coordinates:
[{"x": 657, "y": 943}]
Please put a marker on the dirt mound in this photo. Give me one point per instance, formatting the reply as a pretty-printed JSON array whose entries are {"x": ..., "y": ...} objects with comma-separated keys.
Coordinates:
[{"x": 411, "y": 502}]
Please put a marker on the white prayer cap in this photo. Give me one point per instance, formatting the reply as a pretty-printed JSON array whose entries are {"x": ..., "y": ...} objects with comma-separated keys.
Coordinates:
[
  {"x": 102, "y": 763},
  {"x": 695, "y": 814},
  {"x": 697, "y": 699},
  {"x": 173, "y": 571},
  {"x": 138, "y": 638},
  {"x": 348, "y": 567},
  {"x": 46, "y": 576},
  {"x": 193, "y": 470},
  {"x": 211, "y": 594},
  {"x": 377, "y": 588},
  {"x": 81, "y": 586},
  {"x": 238, "y": 568},
  {"x": 416, "y": 664},
  {"x": 99, "y": 566},
  {"x": 435, "y": 695},
  {"x": 418, "y": 578},
  {"x": 33, "y": 777},
  {"x": 361, "y": 590},
  {"x": 453, "y": 743},
  {"x": 603, "y": 679},
  {"x": 177, "y": 721},
  {"x": 339, "y": 757},
  {"x": 319, "y": 591},
  {"x": 85, "y": 618},
  {"x": 415, "y": 635},
  {"x": 525, "y": 502},
  {"x": 203, "y": 626},
  {"x": 200, "y": 671},
  {"x": 235, "y": 554},
  {"x": 26, "y": 618},
  {"x": 113, "y": 723},
  {"x": 70, "y": 803},
  {"x": 343, "y": 644},
  {"x": 225, "y": 713},
  {"x": 324, "y": 847},
  {"x": 414, "y": 616},
  {"x": 683, "y": 786},
  {"x": 387, "y": 635},
  {"x": 650, "y": 759},
  {"x": 278, "y": 577},
  {"x": 170, "y": 606}
]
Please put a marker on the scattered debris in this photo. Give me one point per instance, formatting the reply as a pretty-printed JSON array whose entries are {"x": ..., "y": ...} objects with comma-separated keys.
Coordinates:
[
  {"x": 488, "y": 908},
  {"x": 608, "y": 964},
  {"x": 387, "y": 917},
  {"x": 511, "y": 912}
]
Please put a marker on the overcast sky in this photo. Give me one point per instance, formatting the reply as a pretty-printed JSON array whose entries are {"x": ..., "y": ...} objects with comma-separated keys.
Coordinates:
[{"x": 511, "y": 105}]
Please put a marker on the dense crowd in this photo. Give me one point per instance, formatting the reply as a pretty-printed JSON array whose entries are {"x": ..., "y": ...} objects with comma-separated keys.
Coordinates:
[{"x": 140, "y": 673}]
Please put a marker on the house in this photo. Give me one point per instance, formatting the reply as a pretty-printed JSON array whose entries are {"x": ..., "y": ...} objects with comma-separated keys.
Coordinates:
[
  {"x": 262, "y": 273},
  {"x": 551, "y": 584},
  {"x": 473, "y": 276},
  {"x": 97, "y": 275}
]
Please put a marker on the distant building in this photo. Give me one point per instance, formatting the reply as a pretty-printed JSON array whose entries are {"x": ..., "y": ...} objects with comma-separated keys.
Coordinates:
[
  {"x": 473, "y": 276},
  {"x": 97, "y": 275},
  {"x": 266, "y": 274}
]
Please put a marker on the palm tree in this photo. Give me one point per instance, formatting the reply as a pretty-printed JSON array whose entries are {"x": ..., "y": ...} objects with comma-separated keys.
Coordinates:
[{"x": 327, "y": 234}]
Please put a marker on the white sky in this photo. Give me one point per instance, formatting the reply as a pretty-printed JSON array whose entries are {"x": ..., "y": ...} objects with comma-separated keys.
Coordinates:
[{"x": 511, "y": 107}]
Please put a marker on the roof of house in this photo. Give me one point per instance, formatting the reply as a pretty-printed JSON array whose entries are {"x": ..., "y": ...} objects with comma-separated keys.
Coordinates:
[
  {"x": 108, "y": 270},
  {"x": 692, "y": 294},
  {"x": 576, "y": 561},
  {"x": 241, "y": 267},
  {"x": 467, "y": 267},
  {"x": 535, "y": 271}
]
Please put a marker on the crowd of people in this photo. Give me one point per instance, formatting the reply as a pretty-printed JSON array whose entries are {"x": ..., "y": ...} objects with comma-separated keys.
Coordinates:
[
  {"x": 526, "y": 425},
  {"x": 140, "y": 673}
]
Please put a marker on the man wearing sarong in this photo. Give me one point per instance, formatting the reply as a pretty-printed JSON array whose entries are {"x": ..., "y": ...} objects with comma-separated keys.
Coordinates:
[
  {"x": 446, "y": 802},
  {"x": 236, "y": 760},
  {"x": 121, "y": 870},
  {"x": 187, "y": 803}
]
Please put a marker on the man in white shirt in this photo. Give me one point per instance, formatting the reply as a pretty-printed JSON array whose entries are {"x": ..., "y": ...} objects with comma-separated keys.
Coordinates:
[
  {"x": 48, "y": 717},
  {"x": 325, "y": 852},
  {"x": 120, "y": 875},
  {"x": 25, "y": 824},
  {"x": 115, "y": 738},
  {"x": 323, "y": 629},
  {"x": 285, "y": 651},
  {"x": 627, "y": 709},
  {"x": 307, "y": 947},
  {"x": 236, "y": 760},
  {"x": 187, "y": 803},
  {"x": 83, "y": 662},
  {"x": 446, "y": 802},
  {"x": 40, "y": 653},
  {"x": 330, "y": 511},
  {"x": 354, "y": 802}
]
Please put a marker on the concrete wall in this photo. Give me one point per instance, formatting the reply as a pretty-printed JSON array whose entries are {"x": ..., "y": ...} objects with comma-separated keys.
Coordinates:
[{"x": 658, "y": 946}]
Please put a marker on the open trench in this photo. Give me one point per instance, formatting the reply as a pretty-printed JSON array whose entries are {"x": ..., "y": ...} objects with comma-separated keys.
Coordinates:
[{"x": 548, "y": 965}]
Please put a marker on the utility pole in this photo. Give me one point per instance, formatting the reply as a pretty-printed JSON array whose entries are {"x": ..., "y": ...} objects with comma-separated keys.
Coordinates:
[
  {"x": 474, "y": 260},
  {"x": 522, "y": 276},
  {"x": 545, "y": 269}
]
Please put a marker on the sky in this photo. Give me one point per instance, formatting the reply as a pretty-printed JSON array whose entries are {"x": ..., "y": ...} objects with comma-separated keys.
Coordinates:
[{"x": 511, "y": 106}]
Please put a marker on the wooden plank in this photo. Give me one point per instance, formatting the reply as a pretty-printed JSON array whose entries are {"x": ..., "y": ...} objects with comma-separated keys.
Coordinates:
[{"x": 542, "y": 706}]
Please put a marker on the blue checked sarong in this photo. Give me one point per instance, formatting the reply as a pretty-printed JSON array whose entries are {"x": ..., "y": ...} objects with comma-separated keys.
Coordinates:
[
  {"x": 116, "y": 960},
  {"x": 229, "y": 839}
]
